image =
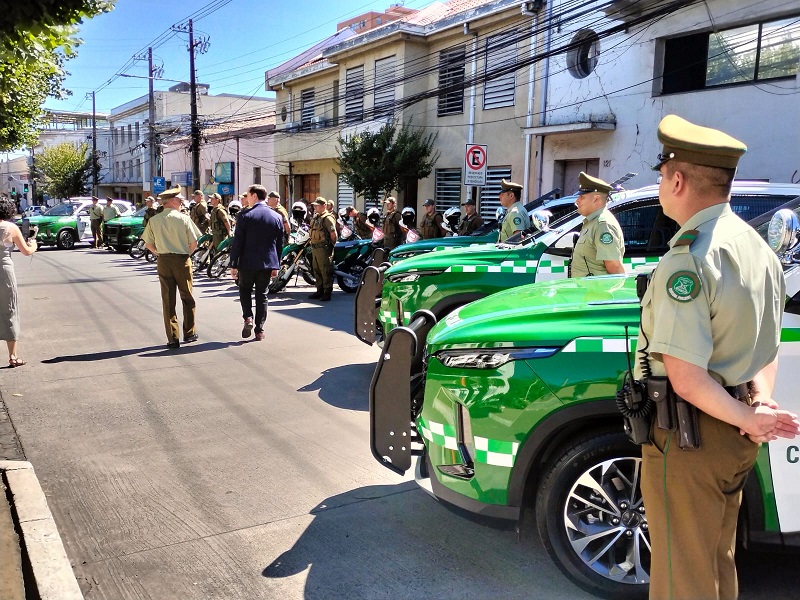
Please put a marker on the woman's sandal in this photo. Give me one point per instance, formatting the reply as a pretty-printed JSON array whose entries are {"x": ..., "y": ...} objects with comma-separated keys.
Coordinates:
[{"x": 15, "y": 362}]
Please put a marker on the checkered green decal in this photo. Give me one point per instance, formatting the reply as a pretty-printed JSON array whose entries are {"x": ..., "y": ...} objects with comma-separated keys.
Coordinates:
[
  {"x": 390, "y": 316},
  {"x": 491, "y": 452},
  {"x": 515, "y": 266},
  {"x": 436, "y": 433},
  {"x": 495, "y": 452},
  {"x": 596, "y": 344}
]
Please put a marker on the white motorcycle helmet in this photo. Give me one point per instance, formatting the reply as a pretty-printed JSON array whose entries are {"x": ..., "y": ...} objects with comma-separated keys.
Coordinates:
[
  {"x": 409, "y": 216},
  {"x": 500, "y": 213},
  {"x": 541, "y": 219},
  {"x": 374, "y": 216},
  {"x": 299, "y": 212},
  {"x": 451, "y": 218}
]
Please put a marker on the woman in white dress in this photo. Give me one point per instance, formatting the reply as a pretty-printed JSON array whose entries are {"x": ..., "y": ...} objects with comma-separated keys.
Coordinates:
[{"x": 10, "y": 236}]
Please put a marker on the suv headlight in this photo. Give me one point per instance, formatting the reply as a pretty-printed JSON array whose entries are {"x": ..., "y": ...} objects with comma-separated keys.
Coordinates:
[
  {"x": 412, "y": 275},
  {"x": 490, "y": 358}
]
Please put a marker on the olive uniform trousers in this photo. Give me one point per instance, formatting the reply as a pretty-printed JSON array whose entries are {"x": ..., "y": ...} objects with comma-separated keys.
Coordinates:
[
  {"x": 692, "y": 500},
  {"x": 96, "y": 225},
  {"x": 175, "y": 274},
  {"x": 322, "y": 267}
]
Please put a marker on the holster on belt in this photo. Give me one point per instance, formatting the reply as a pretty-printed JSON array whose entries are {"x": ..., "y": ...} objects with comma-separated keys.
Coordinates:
[{"x": 674, "y": 413}]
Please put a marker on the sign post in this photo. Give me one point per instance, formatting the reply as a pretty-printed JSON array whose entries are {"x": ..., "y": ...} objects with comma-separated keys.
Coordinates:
[{"x": 475, "y": 161}]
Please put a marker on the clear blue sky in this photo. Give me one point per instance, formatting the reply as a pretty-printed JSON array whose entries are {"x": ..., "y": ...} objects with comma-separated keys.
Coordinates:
[{"x": 246, "y": 38}]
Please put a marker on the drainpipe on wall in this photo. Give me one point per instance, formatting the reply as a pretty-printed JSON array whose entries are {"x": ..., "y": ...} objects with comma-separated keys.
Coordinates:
[
  {"x": 474, "y": 75},
  {"x": 529, "y": 117},
  {"x": 548, "y": 37}
]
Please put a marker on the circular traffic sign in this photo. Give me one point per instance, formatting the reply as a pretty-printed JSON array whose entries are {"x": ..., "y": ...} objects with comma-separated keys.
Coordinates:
[{"x": 476, "y": 157}]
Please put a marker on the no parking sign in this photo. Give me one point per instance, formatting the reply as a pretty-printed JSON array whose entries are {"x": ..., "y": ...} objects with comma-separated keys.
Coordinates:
[{"x": 475, "y": 164}]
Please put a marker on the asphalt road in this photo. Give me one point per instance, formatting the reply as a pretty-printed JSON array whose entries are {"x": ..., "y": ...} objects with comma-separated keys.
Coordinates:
[{"x": 231, "y": 469}]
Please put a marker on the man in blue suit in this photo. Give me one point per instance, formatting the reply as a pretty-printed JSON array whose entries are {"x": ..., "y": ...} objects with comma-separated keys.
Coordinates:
[{"x": 255, "y": 257}]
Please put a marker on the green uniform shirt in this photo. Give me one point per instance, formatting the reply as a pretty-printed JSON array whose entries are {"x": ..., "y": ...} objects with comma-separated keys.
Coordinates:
[
  {"x": 95, "y": 211},
  {"x": 517, "y": 219},
  {"x": 600, "y": 239},
  {"x": 171, "y": 232},
  {"x": 715, "y": 301},
  {"x": 110, "y": 212}
]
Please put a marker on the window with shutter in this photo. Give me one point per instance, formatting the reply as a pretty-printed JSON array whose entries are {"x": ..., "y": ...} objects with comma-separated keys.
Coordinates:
[
  {"x": 306, "y": 106},
  {"x": 490, "y": 201},
  {"x": 344, "y": 194},
  {"x": 451, "y": 81},
  {"x": 384, "y": 86},
  {"x": 447, "y": 189},
  {"x": 501, "y": 78},
  {"x": 354, "y": 95}
]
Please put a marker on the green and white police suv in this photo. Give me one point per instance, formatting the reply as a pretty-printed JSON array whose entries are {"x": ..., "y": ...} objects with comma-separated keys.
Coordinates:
[
  {"x": 511, "y": 405},
  {"x": 442, "y": 281}
]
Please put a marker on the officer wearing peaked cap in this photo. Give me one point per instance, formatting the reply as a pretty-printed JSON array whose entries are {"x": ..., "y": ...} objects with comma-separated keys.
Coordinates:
[
  {"x": 516, "y": 218},
  {"x": 710, "y": 323},
  {"x": 600, "y": 244}
]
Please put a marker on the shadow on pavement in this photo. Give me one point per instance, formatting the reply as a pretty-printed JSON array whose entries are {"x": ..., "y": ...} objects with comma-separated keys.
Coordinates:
[
  {"x": 344, "y": 387},
  {"x": 146, "y": 352}
]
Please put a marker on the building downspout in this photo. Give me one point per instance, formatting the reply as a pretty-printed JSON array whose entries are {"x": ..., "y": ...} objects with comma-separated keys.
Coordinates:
[
  {"x": 548, "y": 37},
  {"x": 472, "y": 97},
  {"x": 529, "y": 117}
]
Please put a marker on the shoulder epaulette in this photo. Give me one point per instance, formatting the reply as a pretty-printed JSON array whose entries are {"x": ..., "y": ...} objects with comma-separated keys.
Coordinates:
[{"x": 687, "y": 237}]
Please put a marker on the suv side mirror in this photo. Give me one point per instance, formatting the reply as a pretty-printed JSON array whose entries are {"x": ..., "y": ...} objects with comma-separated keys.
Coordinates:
[{"x": 783, "y": 234}]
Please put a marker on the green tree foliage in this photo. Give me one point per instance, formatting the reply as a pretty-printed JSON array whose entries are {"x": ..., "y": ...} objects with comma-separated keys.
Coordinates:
[
  {"x": 64, "y": 170},
  {"x": 372, "y": 163},
  {"x": 36, "y": 38}
]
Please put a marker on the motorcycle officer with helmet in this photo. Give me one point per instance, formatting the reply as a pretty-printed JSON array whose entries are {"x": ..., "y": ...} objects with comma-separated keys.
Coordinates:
[
  {"x": 408, "y": 217},
  {"x": 299, "y": 215}
]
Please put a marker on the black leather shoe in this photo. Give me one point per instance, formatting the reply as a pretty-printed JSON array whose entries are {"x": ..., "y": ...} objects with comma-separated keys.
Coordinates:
[
  {"x": 173, "y": 344},
  {"x": 315, "y": 296},
  {"x": 326, "y": 297},
  {"x": 190, "y": 338}
]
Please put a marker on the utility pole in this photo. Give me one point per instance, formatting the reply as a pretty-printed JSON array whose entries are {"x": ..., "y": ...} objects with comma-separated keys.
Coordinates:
[
  {"x": 193, "y": 104},
  {"x": 151, "y": 117},
  {"x": 94, "y": 146},
  {"x": 200, "y": 46}
]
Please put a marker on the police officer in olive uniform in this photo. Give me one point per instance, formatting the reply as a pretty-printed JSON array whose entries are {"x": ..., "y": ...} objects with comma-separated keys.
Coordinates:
[
  {"x": 199, "y": 212},
  {"x": 96, "y": 222},
  {"x": 322, "y": 239},
  {"x": 472, "y": 220},
  {"x": 109, "y": 212},
  {"x": 516, "y": 218},
  {"x": 711, "y": 322},
  {"x": 362, "y": 226},
  {"x": 274, "y": 202},
  {"x": 150, "y": 211},
  {"x": 172, "y": 237},
  {"x": 600, "y": 245},
  {"x": 220, "y": 223},
  {"x": 431, "y": 224},
  {"x": 392, "y": 230}
]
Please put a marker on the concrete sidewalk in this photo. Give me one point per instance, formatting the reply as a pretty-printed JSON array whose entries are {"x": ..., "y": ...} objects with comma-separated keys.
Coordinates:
[{"x": 36, "y": 551}]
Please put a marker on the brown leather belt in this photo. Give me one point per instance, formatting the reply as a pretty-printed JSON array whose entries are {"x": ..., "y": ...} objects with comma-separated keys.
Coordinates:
[{"x": 740, "y": 392}]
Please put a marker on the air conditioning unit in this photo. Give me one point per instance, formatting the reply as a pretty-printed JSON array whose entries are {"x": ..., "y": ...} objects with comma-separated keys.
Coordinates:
[
  {"x": 319, "y": 122},
  {"x": 293, "y": 125}
]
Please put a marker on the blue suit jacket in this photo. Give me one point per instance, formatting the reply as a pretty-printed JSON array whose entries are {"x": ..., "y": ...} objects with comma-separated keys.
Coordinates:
[{"x": 258, "y": 239}]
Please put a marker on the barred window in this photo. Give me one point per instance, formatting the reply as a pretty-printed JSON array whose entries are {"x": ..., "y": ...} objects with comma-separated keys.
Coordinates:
[
  {"x": 451, "y": 81},
  {"x": 344, "y": 193},
  {"x": 490, "y": 193},
  {"x": 384, "y": 86},
  {"x": 354, "y": 95},
  {"x": 447, "y": 189},
  {"x": 306, "y": 106},
  {"x": 501, "y": 77}
]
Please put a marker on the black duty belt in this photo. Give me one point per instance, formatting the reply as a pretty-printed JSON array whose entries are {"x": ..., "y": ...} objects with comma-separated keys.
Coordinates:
[{"x": 740, "y": 392}]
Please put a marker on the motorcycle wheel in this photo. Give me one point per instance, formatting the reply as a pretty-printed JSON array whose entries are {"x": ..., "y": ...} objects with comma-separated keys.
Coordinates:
[
  {"x": 219, "y": 265},
  {"x": 351, "y": 282},
  {"x": 279, "y": 282},
  {"x": 137, "y": 250},
  {"x": 307, "y": 273},
  {"x": 149, "y": 256},
  {"x": 199, "y": 258}
]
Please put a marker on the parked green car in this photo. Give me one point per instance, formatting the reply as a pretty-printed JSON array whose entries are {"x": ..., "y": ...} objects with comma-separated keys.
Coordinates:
[
  {"x": 123, "y": 232},
  {"x": 511, "y": 406},
  {"x": 442, "y": 281},
  {"x": 67, "y": 223}
]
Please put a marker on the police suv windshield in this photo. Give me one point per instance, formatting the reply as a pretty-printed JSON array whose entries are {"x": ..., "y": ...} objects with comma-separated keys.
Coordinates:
[{"x": 62, "y": 210}]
